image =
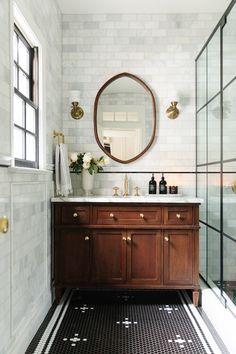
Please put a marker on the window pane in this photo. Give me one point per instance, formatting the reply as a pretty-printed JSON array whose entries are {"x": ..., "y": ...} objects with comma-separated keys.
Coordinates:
[
  {"x": 23, "y": 84},
  {"x": 23, "y": 57},
  {"x": 30, "y": 118},
  {"x": 15, "y": 76},
  {"x": 30, "y": 147},
  {"x": 19, "y": 111},
  {"x": 15, "y": 46},
  {"x": 19, "y": 143}
]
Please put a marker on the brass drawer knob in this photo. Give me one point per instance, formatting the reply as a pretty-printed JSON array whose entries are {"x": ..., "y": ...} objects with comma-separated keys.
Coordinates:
[
  {"x": 86, "y": 238},
  {"x": 141, "y": 215},
  {"x": 75, "y": 215},
  {"x": 166, "y": 238},
  {"x": 128, "y": 238},
  {"x": 112, "y": 215},
  {"x": 178, "y": 216},
  {"x": 123, "y": 238}
]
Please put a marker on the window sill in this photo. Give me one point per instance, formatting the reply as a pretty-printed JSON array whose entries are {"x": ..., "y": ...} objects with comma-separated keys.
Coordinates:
[{"x": 28, "y": 170}]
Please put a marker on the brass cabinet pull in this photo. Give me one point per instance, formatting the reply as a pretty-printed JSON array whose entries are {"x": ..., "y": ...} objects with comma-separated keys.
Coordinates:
[
  {"x": 166, "y": 238},
  {"x": 123, "y": 238},
  {"x": 141, "y": 215},
  {"x": 112, "y": 215},
  {"x": 86, "y": 238},
  {"x": 178, "y": 216},
  {"x": 4, "y": 224},
  {"x": 75, "y": 215},
  {"x": 128, "y": 238}
]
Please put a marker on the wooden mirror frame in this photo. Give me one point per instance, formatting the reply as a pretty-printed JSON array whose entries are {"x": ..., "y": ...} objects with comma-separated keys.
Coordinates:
[{"x": 142, "y": 83}]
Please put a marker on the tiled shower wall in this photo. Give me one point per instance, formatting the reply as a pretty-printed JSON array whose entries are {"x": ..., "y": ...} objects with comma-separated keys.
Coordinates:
[
  {"x": 25, "y": 252},
  {"x": 160, "y": 49}
]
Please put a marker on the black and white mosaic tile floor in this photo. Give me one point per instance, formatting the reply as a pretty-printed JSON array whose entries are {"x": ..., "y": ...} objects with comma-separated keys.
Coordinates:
[{"x": 127, "y": 322}]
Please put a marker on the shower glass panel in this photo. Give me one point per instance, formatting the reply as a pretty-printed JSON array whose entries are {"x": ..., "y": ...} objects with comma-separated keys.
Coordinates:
[
  {"x": 229, "y": 277},
  {"x": 214, "y": 190},
  {"x": 213, "y": 65},
  {"x": 213, "y": 256},
  {"x": 216, "y": 157},
  {"x": 214, "y": 130},
  {"x": 229, "y": 199},
  {"x": 229, "y": 121},
  {"x": 201, "y": 136},
  {"x": 201, "y": 80},
  {"x": 229, "y": 47},
  {"x": 203, "y": 251},
  {"x": 202, "y": 191}
]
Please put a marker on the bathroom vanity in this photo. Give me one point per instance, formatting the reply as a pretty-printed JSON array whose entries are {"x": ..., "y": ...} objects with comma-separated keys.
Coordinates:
[{"x": 133, "y": 242}]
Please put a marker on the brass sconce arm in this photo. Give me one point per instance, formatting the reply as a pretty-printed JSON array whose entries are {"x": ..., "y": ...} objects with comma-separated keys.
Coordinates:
[{"x": 172, "y": 112}]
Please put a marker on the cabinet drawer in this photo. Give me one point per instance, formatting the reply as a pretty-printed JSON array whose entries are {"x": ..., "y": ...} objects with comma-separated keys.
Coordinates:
[
  {"x": 72, "y": 214},
  {"x": 182, "y": 215},
  {"x": 127, "y": 215}
]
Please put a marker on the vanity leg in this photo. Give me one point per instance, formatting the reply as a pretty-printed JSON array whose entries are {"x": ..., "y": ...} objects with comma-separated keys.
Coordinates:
[
  {"x": 58, "y": 295},
  {"x": 195, "y": 297}
]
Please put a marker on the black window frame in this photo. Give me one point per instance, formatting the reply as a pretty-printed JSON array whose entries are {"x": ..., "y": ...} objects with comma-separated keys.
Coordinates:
[{"x": 32, "y": 101}]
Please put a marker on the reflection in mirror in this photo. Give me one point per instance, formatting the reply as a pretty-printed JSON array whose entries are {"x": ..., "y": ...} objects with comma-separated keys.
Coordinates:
[{"x": 124, "y": 117}]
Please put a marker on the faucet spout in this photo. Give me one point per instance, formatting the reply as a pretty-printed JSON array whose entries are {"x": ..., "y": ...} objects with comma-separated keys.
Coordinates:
[{"x": 126, "y": 186}]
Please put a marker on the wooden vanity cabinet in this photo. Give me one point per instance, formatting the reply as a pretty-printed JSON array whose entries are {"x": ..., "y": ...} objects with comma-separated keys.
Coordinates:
[{"x": 126, "y": 246}]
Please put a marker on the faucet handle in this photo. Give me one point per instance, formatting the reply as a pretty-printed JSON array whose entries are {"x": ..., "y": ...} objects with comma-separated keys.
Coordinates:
[
  {"x": 116, "y": 192},
  {"x": 136, "y": 194}
]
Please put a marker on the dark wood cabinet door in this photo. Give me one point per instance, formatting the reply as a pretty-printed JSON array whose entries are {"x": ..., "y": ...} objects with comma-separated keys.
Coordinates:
[
  {"x": 72, "y": 256},
  {"x": 144, "y": 257},
  {"x": 178, "y": 257},
  {"x": 109, "y": 256}
]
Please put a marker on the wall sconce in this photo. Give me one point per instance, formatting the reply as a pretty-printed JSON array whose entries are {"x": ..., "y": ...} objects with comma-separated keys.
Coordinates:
[
  {"x": 234, "y": 187},
  {"x": 172, "y": 112},
  {"x": 76, "y": 111}
]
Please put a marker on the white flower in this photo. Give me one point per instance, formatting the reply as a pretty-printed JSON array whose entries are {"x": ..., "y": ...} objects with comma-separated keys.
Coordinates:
[
  {"x": 103, "y": 161},
  {"x": 87, "y": 157},
  {"x": 86, "y": 165},
  {"x": 73, "y": 156},
  {"x": 106, "y": 160}
]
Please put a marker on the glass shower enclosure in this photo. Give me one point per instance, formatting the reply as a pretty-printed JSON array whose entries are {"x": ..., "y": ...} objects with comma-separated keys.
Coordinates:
[{"x": 216, "y": 157}]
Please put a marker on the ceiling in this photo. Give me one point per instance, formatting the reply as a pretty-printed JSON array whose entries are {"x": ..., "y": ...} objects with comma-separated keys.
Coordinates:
[{"x": 141, "y": 6}]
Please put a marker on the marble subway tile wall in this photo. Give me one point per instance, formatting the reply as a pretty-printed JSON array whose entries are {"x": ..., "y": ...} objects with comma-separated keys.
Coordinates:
[
  {"x": 25, "y": 251},
  {"x": 160, "y": 49}
]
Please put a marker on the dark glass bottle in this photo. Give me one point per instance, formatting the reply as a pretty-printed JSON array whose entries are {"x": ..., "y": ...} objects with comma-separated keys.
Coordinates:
[
  {"x": 152, "y": 186},
  {"x": 163, "y": 185}
]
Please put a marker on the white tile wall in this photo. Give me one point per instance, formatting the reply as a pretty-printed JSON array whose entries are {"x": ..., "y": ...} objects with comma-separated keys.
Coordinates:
[
  {"x": 25, "y": 266},
  {"x": 160, "y": 49}
]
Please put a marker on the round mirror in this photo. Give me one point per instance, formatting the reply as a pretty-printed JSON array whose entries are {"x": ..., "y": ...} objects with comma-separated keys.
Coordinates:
[{"x": 124, "y": 118}]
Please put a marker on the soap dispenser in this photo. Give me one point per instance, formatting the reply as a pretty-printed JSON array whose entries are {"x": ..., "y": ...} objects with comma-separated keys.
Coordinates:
[
  {"x": 152, "y": 185},
  {"x": 163, "y": 185}
]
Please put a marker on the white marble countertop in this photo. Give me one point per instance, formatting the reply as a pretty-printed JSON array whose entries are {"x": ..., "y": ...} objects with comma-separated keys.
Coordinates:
[{"x": 131, "y": 199}]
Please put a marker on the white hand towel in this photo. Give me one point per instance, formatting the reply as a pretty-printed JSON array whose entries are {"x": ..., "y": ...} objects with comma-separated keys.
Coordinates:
[{"x": 63, "y": 180}]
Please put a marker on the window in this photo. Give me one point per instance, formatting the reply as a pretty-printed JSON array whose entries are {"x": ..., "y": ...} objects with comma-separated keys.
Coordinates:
[{"x": 25, "y": 102}]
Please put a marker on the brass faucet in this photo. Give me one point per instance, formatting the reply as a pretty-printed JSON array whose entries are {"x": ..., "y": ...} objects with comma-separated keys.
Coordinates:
[{"x": 126, "y": 186}]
